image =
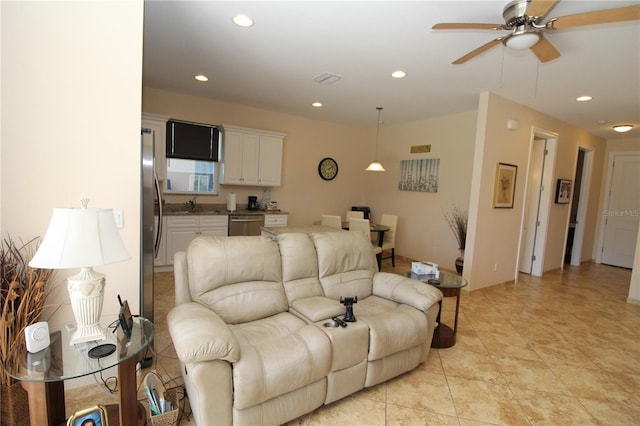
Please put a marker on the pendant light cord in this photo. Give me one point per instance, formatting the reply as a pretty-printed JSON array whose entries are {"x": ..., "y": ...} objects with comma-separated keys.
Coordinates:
[{"x": 378, "y": 132}]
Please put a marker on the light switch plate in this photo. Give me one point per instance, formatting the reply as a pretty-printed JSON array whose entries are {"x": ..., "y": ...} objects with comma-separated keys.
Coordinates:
[{"x": 118, "y": 215}]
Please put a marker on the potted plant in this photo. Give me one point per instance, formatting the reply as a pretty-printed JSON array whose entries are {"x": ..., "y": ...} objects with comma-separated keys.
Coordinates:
[
  {"x": 23, "y": 291},
  {"x": 457, "y": 219}
]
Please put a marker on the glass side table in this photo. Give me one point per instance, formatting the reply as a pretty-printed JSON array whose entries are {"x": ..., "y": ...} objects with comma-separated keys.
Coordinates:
[
  {"x": 449, "y": 284},
  {"x": 43, "y": 374}
]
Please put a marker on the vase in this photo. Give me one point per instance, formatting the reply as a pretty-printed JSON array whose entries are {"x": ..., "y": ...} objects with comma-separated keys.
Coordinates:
[
  {"x": 15, "y": 405},
  {"x": 460, "y": 262}
]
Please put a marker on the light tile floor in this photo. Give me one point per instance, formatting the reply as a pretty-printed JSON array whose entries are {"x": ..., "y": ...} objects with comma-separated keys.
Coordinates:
[{"x": 559, "y": 350}]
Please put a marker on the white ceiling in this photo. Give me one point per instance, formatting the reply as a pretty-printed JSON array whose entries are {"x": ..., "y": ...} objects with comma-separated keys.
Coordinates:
[{"x": 271, "y": 64}]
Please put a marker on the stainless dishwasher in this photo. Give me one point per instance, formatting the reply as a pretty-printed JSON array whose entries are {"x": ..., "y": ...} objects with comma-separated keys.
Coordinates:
[{"x": 245, "y": 224}]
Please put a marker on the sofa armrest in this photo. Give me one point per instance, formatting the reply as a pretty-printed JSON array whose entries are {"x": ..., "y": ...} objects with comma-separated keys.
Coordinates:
[
  {"x": 199, "y": 334},
  {"x": 316, "y": 308},
  {"x": 181, "y": 278},
  {"x": 405, "y": 290}
]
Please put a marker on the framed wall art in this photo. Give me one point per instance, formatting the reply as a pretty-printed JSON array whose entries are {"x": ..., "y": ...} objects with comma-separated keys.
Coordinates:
[
  {"x": 419, "y": 175},
  {"x": 505, "y": 186},
  {"x": 563, "y": 191}
]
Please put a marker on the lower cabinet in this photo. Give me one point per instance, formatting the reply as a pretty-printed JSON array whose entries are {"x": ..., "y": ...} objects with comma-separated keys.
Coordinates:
[
  {"x": 182, "y": 229},
  {"x": 275, "y": 220}
]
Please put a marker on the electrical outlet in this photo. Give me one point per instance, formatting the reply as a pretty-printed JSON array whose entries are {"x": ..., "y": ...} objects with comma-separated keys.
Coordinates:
[{"x": 495, "y": 267}]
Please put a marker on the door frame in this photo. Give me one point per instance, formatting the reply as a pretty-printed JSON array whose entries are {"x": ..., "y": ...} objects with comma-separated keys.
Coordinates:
[
  {"x": 609, "y": 177},
  {"x": 545, "y": 200}
]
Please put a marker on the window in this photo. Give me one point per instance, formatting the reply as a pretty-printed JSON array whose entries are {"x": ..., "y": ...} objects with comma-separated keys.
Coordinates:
[{"x": 191, "y": 176}]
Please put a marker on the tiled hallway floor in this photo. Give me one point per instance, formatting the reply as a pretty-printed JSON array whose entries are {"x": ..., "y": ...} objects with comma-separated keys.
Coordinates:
[{"x": 558, "y": 350}]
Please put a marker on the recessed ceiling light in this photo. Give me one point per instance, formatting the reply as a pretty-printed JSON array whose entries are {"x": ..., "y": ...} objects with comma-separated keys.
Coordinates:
[
  {"x": 201, "y": 77},
  {"x": 622, "y": 128},
  {"x": 583, "y": 98},
  {"x": 242, "y": 20},
  {"x": 398, "y": 74},
  {"x": 317, "y": 104}
]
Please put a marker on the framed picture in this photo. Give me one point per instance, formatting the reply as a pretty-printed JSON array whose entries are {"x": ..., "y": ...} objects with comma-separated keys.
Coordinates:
[
  {"x": 505, "y": 186},
  {"x": 563, "y": 191},
  {"x": 92, "y": 416},
  {"x": 419, "y": 175}
]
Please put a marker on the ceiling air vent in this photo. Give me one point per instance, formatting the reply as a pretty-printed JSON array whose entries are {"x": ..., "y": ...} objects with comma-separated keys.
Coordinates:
[{"x": 327, "y": 78}]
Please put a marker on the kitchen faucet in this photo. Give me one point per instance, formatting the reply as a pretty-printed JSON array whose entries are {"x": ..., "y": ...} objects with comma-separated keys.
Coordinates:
[{"x": 192, "y": 204}]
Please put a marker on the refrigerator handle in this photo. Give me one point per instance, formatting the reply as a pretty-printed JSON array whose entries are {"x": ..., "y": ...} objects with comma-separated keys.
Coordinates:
[{"x": 156, "y": 245}]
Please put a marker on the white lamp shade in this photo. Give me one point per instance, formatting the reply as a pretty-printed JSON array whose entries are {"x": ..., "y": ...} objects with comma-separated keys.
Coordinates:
[
  {"x": 375, "y": 167},
  {"x": 80, "y": 238}
]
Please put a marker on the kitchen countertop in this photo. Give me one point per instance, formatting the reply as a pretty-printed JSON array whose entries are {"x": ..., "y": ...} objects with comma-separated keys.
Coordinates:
[{"x": 211, "y": 209}]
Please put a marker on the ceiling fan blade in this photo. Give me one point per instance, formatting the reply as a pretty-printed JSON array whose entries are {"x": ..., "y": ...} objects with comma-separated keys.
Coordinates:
[
  {"x": 466, "y": 26},
  {"x": 544, "y": 50},
  {"x": 478, "y": 51},
  {"x": 540, "y": 8},
  {"x": 621, "y": 14}
]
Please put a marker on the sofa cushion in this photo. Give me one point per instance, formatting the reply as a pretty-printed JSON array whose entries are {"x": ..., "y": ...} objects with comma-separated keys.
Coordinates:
[
  {"x": 346, "y": 263},
  {"x": 279, "y": 354},
  {"x": 299, "y": 266},
  {"x": 239, "y": 278},
  {"x": 393, "y": 327}
]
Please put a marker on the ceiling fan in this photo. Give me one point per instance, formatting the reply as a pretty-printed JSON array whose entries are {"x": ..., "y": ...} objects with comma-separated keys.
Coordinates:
[{"x": 524, "y": 19}]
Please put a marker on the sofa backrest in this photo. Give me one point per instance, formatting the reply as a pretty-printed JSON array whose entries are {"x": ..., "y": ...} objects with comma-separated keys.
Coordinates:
[
  {"x": 299, "y": 266},
  {"x": 239, "y": 278},
  {"x": 346, "y": 264}
]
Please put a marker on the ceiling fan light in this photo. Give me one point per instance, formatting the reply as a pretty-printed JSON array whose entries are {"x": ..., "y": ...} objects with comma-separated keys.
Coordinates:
[
  {"x": 521, "y": 41},
  {"x": 622, "y": 128},
  {"x": 375, "y": 167}
]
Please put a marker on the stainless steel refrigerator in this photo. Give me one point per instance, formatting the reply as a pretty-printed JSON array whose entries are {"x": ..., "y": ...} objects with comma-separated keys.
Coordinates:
[{"x": 151, "y": 220}]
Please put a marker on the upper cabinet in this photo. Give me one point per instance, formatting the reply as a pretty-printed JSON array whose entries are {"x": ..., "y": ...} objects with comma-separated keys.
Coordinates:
[
  {"x": 157, "y": 124},
  {"x": 251, "y": 157}
]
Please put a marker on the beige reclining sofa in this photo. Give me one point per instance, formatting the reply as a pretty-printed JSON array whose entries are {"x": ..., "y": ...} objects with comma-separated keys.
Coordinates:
[{"x": 249, "y": 324}]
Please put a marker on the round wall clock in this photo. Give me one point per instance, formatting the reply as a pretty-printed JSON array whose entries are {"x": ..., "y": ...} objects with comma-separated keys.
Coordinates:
[{"x": 328, "y": 168}]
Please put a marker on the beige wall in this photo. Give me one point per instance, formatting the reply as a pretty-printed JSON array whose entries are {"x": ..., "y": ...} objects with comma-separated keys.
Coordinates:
[
  {"x": 423, "y": 232},
  {"x": 71, "y": 95},
  {"x": 494, "y": 233}
]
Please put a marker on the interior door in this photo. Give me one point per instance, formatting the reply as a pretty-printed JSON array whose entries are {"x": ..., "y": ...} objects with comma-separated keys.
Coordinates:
[
  {"x": 531, "y": 220},
  {"x": 622, "y": 214}
]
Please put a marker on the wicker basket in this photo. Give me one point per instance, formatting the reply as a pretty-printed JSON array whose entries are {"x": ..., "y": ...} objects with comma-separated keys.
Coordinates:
[{"x": 169, "y": 418}]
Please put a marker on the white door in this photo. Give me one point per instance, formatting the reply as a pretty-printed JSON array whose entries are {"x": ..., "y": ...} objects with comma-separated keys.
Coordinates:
[
  {"x": 623, "y": 212},
  {"x": 530, "y": 223}
]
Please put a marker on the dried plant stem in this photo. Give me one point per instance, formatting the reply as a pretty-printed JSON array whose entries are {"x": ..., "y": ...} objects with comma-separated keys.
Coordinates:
[{"x": 23, "y": 294}]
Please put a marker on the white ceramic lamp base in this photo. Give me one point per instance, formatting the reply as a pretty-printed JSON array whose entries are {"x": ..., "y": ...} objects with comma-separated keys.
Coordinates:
[{"x": 86, "y": 291}]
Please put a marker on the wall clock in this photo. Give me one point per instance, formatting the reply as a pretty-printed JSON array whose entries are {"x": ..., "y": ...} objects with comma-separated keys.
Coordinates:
[{"x": 328, "y": 168}]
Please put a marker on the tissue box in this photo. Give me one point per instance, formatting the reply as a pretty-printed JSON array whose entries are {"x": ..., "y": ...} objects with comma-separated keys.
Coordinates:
[{"x": 424, "y": 268}]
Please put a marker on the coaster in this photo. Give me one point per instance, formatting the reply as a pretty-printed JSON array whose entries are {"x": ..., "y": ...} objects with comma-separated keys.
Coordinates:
[{"x": 101, "y": 351}]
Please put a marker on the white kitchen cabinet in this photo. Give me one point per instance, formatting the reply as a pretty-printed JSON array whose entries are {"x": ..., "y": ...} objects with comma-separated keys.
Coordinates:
[
  {"x": 251, "y": 157},
  {"x": 182, "y": 229},
  {"x": 275, "y": 220},
  {"x": 158, "y": 125}
]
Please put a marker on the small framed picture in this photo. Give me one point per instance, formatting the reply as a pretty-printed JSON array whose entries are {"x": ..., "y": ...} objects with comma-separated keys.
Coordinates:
[
  {"x": 563, "y": 191},
  {"x": 92, "y": 416},
  {"x": 505, "y": 186}
]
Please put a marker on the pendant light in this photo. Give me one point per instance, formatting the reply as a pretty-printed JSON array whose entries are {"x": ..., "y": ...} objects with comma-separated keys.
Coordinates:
[{"x": 376, "y": 166}]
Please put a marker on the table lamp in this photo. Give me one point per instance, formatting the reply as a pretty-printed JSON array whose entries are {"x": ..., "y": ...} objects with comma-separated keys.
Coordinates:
[{"x": 82, "y": 238}]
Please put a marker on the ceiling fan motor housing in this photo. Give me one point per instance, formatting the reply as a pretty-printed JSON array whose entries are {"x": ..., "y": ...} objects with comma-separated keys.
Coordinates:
[{"x": 514, "y": 14}]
